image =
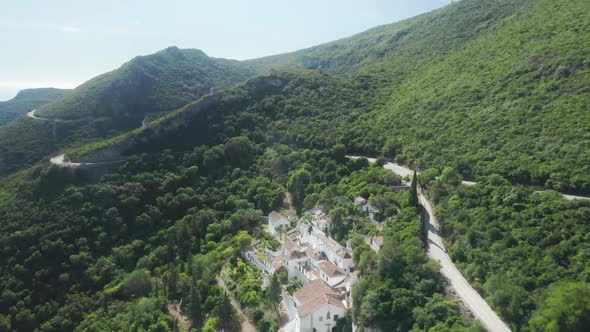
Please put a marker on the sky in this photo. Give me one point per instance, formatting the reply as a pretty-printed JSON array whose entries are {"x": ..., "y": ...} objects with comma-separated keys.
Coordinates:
[{"x": 63, "y": 43}]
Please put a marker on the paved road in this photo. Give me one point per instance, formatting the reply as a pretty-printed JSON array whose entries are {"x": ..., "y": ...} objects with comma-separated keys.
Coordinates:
[
  {"x": 32, "y": 115},
  {"x": 60, "y": 161},
  {"x": 436, "y": 250},
  {"x": 401, "y": 170},
  {"x": 404, "y": 171},
  {"x": 568, "y": 197}
]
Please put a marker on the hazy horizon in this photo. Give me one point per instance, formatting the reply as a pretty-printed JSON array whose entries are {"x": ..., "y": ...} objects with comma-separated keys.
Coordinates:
[{"x": 68, "y": 44}]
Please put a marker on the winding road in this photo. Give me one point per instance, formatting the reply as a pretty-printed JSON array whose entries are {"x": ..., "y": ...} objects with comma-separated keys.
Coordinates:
[
  {"x": 404, "y": 171},
  {"x": 32, "y": 115},
  {"x": 436, "y": 251},
  {"x": 60, "y": 160}
]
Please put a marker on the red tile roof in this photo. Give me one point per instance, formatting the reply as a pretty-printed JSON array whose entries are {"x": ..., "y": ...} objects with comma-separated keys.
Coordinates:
[
  {"x": 330, "y": 269},
  {"x": 315, "y": 295}
]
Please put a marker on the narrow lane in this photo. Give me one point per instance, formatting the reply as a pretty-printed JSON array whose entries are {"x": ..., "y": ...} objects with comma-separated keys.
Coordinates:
[
  {"x": 436, "y": 251},
  {"x": 471, "y": 298},
  {"x": 404, "y": 171}
]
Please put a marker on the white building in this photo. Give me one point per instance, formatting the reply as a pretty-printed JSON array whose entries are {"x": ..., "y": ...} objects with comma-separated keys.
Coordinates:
[
  {"x": 318, "y": 308},
  {"x": 298, "y": 266},
  {"x": 331, "y": 274},
  {"x": 360, "y": 201},
  {"x": 365, "y": 207},
  {"x": 375, "y": 242},
  {"x": 319, "y": 219},
  {"x": 276, "y": 221},
  {"x": 336, "y": 253}
]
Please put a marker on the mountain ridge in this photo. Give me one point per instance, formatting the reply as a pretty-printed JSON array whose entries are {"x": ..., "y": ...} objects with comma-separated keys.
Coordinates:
[
  {"x": 493, "y": 91},
  {"x": 25, "y": 100}
]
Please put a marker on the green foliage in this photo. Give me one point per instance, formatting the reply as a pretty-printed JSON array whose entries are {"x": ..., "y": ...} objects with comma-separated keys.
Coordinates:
[
  {"x": 137, "y": 283},
  {"x": 274, "y": 292},
  {"x": 144, "y": 314},
  {"x": 156, "y": 227},
  {"x": 400, "y": 289},
  {"x": 211, "y": 325},
  {"x": 148, "y": 84},
  {"x": 474, "y": 89},
  {"x": 566, "y": 308},
  {"x": 112, "y": 103},
  {"x": 297, "y": 186},
  {"x": 226, "y": 313},
  {"x": 25, "y": 101},
  {"x": 243, "y": 281},
  {"x": 515, "y": 242},
  {"x": 196, "y": 313}
]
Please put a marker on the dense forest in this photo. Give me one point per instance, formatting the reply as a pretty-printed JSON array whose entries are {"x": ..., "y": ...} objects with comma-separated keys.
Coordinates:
[
  {"x": 494, "y": 91},
  {"x": 486, "y": 87},
  {"x": 160, "y": 229},
  {"x": 519, "y": 248},
  {"x": 110, "y": 104}
]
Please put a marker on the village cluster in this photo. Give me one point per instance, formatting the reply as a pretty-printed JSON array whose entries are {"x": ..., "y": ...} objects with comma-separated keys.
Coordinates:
[{"x": 324, "y": 267}]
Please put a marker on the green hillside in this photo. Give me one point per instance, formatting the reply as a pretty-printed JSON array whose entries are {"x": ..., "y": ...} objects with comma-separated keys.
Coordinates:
[
  {"x": 154, "y": 83},
  {"x": 25, "y": 101},
  {"x": 118, "y": 101},
  {"x": 423, "y": 38},
  {"x": 512, "y": 101},
  {"x": 495, "y": 91},
  {"x": 452, "y": 90}
]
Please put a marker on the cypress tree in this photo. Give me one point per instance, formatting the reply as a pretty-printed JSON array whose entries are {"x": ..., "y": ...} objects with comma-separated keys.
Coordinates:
[
  {"x": 172, "y": 280},
  {"x": 225, "y": 311},
  {"x": 275, "y": 292},
  {"x": 195, "y": 313}
]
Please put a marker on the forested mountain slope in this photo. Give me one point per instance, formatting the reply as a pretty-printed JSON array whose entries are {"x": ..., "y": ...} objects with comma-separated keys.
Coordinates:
[
  {"x": 422, "y": 38},
  {"x": 25, "y": 101},
  {"x": 153, "y": 83},
  {"x": 490, "y": 89},
  {"x": 189, "y": 197},
  {"x": 119, "y": 100},
  {"x": 115, "y": 102},
  {"x": 511, "y": 101},
  {"x": 485, "y": 87}
]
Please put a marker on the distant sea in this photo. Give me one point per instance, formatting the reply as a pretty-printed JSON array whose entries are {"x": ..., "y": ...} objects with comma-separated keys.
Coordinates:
[{"x": 7, "y": 93}]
